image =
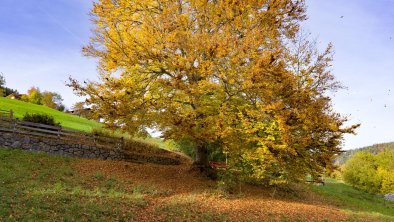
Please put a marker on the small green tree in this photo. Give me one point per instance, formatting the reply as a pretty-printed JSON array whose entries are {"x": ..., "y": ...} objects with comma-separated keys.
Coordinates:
[
  {"x": 385, "y": 161},
  {"x": 387, "y": 180},
  {"x": 52, "y": 100},
  {"x": 371, "y": 173},
  {"x": 34, "y": 95},
  {"x": 361, "y": 172}
]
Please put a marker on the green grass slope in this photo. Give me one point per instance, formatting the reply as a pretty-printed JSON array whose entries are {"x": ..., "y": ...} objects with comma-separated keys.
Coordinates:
[
  {"x": 66, "y": 120},
  {"x": 375, "y": 149},
  {"x": 69, "y": 121},
  {"x": 359, "y": 204}
]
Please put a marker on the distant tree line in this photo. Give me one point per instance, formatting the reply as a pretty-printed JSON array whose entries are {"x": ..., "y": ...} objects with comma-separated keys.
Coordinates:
[
  {"x": 34, "y": 95},
  {"x": 50, "y": 99},
  {"x": 47, "y": 98},
  {"x": 374, "y": 149}
]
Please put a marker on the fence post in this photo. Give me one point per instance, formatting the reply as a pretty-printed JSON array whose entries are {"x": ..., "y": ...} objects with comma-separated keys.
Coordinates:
[
  {"x": 11, "y": 114},
  {"x": 121, "y": 144},
  {"x": 14, "y": 129}
]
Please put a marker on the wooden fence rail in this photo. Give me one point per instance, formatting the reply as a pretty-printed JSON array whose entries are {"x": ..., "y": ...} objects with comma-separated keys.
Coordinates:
[
  {"x": 17, "y": 127},
  {"x": 6, "y": 114}
]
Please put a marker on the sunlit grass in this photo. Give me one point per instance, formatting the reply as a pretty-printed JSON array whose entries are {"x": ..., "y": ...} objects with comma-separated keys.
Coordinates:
[
  {"x": 36, "y": 187},
  {"x": 358, "y": 203},
  {"x": 66, "y": 120}
]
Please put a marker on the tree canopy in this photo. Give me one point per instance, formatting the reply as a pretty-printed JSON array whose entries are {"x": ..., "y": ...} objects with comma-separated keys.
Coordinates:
[
  {"x": 2, "y": 80},
  {"x": 2, "y": 84},
  {"x": 230, "y": 75},
  {"x": 5, "y": 91},
  {"x": 53, "y": 100}
]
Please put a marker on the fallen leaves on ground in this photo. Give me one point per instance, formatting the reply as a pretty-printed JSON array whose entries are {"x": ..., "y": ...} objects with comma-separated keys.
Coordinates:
[{"x": 184, "y": 195}]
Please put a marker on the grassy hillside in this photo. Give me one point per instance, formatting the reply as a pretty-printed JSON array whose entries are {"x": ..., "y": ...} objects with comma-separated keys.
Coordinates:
[
  {"x": 359, "y": 203},
  {"x": 38, "y": 187},
  {"x": 375, "y": 149},
  {"x": 147, "y": 145},
  {"x": 66, "y": 120}
]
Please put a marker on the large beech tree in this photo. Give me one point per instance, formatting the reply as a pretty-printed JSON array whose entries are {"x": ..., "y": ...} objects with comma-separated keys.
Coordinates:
[{"x": 234, "y": 73}]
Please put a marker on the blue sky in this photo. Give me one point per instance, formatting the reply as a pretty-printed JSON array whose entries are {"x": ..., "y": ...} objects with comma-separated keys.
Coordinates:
[
  {"x": 364, "y": 62},
  {"x": 41, "y": 41}
]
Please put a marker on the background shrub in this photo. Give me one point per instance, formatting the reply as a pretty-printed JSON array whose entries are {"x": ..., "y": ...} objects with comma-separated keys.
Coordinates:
[
  {"x": 40, "y": 118},
  {"x": 229, "y": 181}
]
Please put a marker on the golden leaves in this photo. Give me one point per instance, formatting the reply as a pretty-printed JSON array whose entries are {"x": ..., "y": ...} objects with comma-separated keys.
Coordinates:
[{"x": 218, "y": 71}]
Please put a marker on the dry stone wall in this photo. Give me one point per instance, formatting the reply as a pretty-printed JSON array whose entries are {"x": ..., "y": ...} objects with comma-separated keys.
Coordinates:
[{"x": 65, "y": 148}]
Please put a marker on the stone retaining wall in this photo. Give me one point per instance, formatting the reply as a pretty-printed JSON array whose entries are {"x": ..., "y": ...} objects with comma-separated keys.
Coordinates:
[
  {"x": 389, "y": 197},
  {"x": 64, "y": 148}
]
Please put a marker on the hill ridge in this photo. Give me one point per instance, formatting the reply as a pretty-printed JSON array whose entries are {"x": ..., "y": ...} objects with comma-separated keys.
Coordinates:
[{"x": 375, "y": 149}]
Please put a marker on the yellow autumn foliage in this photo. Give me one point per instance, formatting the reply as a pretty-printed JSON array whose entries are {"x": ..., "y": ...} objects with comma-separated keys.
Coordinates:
[{"x": 234, "y": 73}]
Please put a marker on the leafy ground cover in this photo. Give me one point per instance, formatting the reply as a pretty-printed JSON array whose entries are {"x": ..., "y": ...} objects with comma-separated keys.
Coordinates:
[
  {"x": 38, "y": 187},
  {"x": 66, "y": 120}
]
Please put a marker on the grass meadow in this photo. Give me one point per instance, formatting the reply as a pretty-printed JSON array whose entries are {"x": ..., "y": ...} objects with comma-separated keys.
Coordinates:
[{"x": 66, "y": 120}]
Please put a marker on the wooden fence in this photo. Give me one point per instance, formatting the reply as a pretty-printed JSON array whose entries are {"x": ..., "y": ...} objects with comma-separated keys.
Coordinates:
[
  {"x": 17, "y": 127},
  {"x": 6, "y": 114}
]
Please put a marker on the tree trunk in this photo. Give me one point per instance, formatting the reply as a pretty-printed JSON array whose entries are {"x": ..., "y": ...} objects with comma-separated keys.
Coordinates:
[
  {"x": 202, "y": 157},
  {"x": 202, "y": 164}
]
